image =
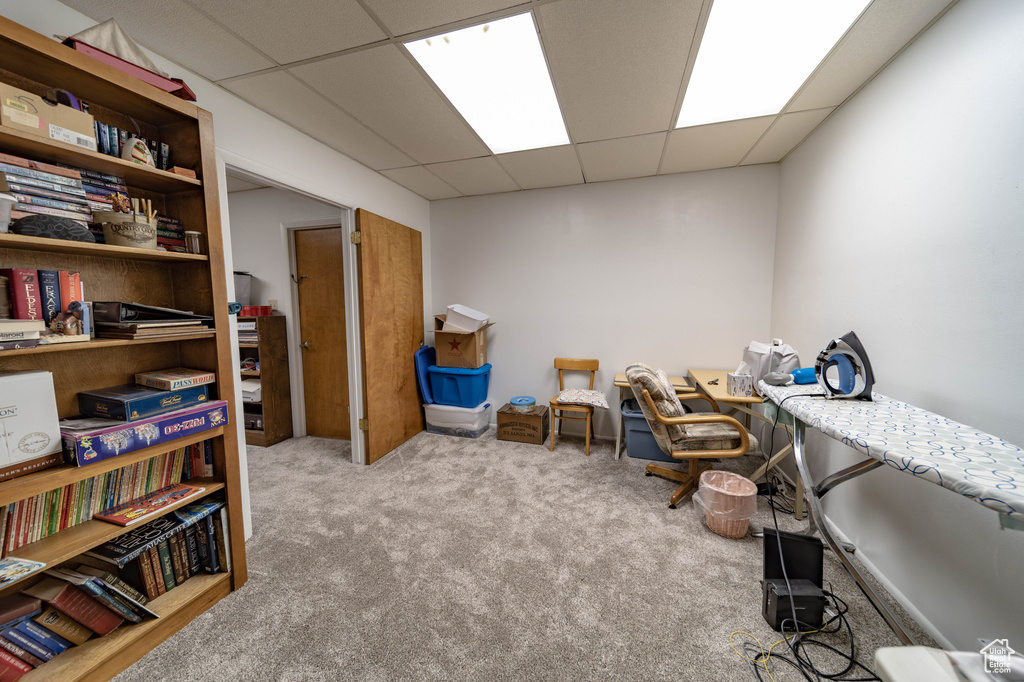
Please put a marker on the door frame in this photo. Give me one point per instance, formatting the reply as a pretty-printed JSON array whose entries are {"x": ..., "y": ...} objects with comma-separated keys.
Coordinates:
[
  {"x": 246, "y": 167},
  {"x": 351, "y": 325}
]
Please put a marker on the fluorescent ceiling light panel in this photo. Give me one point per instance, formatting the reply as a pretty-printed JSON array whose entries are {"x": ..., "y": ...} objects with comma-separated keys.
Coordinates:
[
  {"x": 755, "y": 54},
  {"x": 496, "y": 76}
]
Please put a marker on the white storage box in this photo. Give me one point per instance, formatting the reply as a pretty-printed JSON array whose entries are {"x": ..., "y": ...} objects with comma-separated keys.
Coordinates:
[
  {"x": 252, "y": 392},
  {"x": 29, "y": 426},
  {"x": 466, "y": 422},
  {"x": 463, "y": 319}
]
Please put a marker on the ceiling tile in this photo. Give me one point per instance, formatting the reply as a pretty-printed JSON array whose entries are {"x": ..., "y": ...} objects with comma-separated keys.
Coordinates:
[
  {"x": 402, "y": 16},
  {"x": 381, "y": 88},
  {"x": 204, "y": 47},
  {"x": 629, "y": 157},
  {"x": 548, "y": 167},
  {"x": 617, "y": 65},
  {"x": 421, "y": 181},
  {"x": 881, "y": 32},
  {"x": 475, "y": 176},
  {"x": 306, "y": 29},
  {"x": 282, "y": 95},
  {"x": 719, "y": 145},
  {"x": 788, "y": 131}
]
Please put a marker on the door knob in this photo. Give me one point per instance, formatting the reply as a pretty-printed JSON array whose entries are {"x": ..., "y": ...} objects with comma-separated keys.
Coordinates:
[{"x": 304, "y": 345}]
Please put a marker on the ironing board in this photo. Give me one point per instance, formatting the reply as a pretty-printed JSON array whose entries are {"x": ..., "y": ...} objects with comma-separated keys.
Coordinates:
[{"x": 978, "y": 465}]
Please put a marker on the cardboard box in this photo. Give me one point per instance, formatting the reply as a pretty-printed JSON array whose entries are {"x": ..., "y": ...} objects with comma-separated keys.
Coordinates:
[
  {"x": 87, "y": 440},
  {"x": 29, "y": 426},
  {"x": 467, "y": 350},
  {"x": 523, "y": 427},
  {"x": 131, "y": 402},
  {"x": 21, "y": 110}
]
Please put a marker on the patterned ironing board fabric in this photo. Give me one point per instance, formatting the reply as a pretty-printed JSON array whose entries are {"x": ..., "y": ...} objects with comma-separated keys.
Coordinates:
[{"x": 975, "y": 464}]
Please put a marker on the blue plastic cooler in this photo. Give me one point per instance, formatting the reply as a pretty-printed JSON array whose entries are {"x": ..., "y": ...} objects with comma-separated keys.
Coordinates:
[{"x": 459, "y": 387}]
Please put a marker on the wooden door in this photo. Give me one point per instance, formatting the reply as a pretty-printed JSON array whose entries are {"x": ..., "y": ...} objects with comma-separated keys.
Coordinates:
[
  {"x": 391, "y": 312},
  {"x": 321, "y": 279}
]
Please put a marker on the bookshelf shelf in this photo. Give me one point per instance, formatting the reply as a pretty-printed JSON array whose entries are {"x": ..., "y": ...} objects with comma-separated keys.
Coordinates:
[
  {"x": 41, "y": 481},
  {"x": 135, "y": 174},
  {"x": 275, "y": 408},
  {"x": 23, "y": 243},
  {"x": 250, "y": 374},
  {"x": 36, "y": 63},
  {"x": 102, "y": 343},
  {"x": 63, "y": 545},
  {"x": 101, "y": 658}
]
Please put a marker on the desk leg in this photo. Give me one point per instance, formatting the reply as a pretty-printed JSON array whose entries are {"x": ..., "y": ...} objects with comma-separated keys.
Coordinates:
[
  {"x": 819, "y": 521},
  {"x": 622, "y": 424}
]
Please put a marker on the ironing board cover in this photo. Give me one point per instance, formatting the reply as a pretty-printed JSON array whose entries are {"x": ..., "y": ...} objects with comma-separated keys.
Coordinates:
[{"x": 975, "y": 464}]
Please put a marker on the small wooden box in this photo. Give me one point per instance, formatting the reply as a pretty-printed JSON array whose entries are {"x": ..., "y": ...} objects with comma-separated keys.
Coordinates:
[{"x": 523, "y": 427}]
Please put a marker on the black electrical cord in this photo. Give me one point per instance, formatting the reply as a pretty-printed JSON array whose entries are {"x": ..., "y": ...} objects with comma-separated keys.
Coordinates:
[{"x": 800, "y": 639}]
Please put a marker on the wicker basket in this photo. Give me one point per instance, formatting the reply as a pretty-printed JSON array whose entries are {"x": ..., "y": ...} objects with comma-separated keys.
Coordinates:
[{"x": 728, "y": 500}]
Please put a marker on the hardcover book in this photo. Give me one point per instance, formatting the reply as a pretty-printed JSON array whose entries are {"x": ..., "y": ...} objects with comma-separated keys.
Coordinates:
[
  {"x": 76, "y": 603},
  {"x": 50, "y": 640},
  {"x": 24, "y": 290},
  {"x": 65, "y": 626},
  {"x": 95, "y": 589},
  {"x": 49, "y": 285},
  {"x": 115, "y": 582},
  {"x": 30, "y": 645},
  {"x": 15, "y": 608},
  {"x": 174, "y": 379},
  {"x": 133, "y": 512},
  {"x": 166, "y": 565},
  {"x": 23, "y": 654},
  {"x": 12, "y": 667}
]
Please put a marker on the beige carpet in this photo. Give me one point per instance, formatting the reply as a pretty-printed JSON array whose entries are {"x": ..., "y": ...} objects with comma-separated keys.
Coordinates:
[{"x": 456, "y": 559}]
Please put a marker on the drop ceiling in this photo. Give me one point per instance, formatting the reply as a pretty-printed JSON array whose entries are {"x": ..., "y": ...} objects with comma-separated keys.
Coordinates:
[{"x": 337, "y": 70}]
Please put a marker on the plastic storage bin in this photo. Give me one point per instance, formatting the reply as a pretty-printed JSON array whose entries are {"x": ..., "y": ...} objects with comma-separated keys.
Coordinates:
[
  {"x": 465, "y": 422},
  {"x": 728, "y": 501},
  {"x": 640, "y": 443},
  {"x": 459, "y": 387}
]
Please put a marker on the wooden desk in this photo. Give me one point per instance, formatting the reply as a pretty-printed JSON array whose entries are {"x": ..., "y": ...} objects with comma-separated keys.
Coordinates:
[
  {"x": 718, "y": 393},
  {"x": 681, "y": 384}
]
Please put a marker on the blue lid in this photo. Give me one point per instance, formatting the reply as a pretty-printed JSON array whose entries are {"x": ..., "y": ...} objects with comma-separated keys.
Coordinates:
[
  {"x": 425, "y": 356},
  {"x": 459, "y": 370},
  {"x": 523, "y": 401}
]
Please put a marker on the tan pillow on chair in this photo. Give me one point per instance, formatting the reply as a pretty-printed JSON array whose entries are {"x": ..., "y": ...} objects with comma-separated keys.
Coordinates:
[
  {"x": 641, "y": 376},
  {"x": 583, "y": 396}
]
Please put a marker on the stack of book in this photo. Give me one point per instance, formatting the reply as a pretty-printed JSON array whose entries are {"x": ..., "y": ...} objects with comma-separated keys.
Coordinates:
[
  {"x": 45, "y": 514},
  {"x": 123, "y": 320},
  {"x": 247, "y": 334},
  {"x": 170, "y": 233},
  {"x": 42, "y": 188},
  {"x": 35, "y": 299},
  {"x": 164, "y": 553}
]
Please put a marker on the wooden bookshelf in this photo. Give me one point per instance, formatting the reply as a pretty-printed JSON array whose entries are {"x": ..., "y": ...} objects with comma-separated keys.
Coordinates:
[
  {"x": 195, "y": 282},
  {"x": 271, "y": 349}
]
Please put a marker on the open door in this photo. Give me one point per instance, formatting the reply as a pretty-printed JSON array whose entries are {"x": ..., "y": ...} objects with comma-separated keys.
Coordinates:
[{"x": 390, "y": 263}]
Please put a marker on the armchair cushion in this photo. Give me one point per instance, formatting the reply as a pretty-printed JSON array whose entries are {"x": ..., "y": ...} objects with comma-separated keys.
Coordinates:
[
  {"x": 712, "y": 437},
  {"x": 582, "y": 396},
  {"x": 640, "y": 377}
]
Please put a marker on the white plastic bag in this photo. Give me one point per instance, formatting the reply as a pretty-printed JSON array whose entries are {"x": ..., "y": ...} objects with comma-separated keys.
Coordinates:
[{"x": 763, "y": 359}]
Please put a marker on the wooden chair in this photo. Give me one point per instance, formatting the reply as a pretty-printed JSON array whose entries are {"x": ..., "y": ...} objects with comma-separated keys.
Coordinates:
[
  {"x": 689, "y": 437},
  {"x": 571, "y": 365}
]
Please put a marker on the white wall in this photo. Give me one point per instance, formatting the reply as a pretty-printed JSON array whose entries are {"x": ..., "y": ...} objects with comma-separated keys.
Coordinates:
[
  {"x": 673, "y": 271},
  {"x": 260, "y": 245},
  {"x": 902, "y": 218},
  {"x": 253, "y": 141}
]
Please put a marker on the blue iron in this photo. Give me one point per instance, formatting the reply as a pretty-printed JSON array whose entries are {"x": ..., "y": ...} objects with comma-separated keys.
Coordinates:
[{"x": 843, "y": 369}]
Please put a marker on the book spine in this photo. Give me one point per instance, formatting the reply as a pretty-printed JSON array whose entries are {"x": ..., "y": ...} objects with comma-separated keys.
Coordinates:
[
  {"x": 63, "y": 625},
  {"x": 42, "y": 184},
  {"x": 158, "y": 569},
  {"x": 53, "y": 203},
  {"x": 148, "y": 576},
  {"x": 70, "y": 287},
  {"x": 115, "y": 141},
  {"x": 96, "y": 175},
  {"x": 24, "y": 290},
  {"x": 80, "y": 606},
  {"x": 15, "y": 667},
  {"x": 67, "y": 172},
  {"x": 27, "y": 643},
  {"x": 46, "y": 210},
  {"x": 222, "y": 535},
  {"x": 206, "y": 545},
  {"x": 108, "y": 600},
  {"x": 40, "y": 175},
  {"x": 103, "y": 184},
  {"x": 164, "y": 549},
  {"x": 207, "y": 446},
  {"x": 23, "y": 654},
  {"x": 51, "y": 640},
  {"x": 178, "y": 563},
  {"x": 22, "y": 188},
  {"x": 192, "y": 550}
]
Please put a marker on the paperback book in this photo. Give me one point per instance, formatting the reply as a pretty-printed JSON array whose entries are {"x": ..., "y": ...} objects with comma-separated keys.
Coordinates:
[{"x": 147, "y": 506}]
